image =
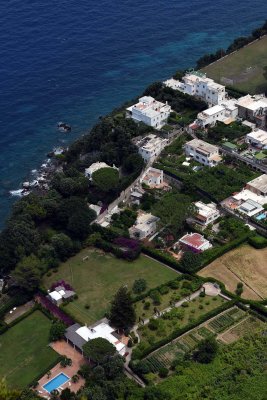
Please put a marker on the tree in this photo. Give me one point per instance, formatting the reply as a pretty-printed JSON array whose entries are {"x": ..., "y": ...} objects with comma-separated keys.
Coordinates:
[
  {"x": 239, "y": 289},
  {"x": 57, "y": 331},
  {"x": 65, "y": 362},
  {"x": 67, "y": 394},
  {"x": 122, "y": 313},
  {"x": 63, "y": 245},
  {"x": 207, "y": 350},
  {"x": 139, "y": 285},
  {"x": 79, "y": 223},
  {"x": 98, "y": 350},
  {"x": 113, "y": 367},
  {"x": 190, "y": 261},
  {"x": 27, "y": 273},
  {"x": 106, "y": 179}
]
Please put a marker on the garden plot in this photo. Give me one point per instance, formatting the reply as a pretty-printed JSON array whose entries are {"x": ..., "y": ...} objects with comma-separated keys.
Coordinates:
[
  {"x": 249, "y": 325},
  {"x": 225, "y": 320}
]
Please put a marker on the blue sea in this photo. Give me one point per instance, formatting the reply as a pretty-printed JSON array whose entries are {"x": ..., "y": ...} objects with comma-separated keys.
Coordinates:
[{"x": 73, "y": 61}]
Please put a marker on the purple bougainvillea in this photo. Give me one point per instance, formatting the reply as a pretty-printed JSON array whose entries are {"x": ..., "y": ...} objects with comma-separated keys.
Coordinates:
[
  {"x": 130, "y": 248},
  {"x": 54, "y": 310},
  {"x": 66, "y": 285}
]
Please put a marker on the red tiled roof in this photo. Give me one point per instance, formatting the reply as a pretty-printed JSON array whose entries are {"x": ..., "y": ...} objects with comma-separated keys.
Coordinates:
[{"x": 194, "y": 239}]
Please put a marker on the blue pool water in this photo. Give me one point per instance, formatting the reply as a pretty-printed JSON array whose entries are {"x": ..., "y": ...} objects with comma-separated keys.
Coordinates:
[
  {"x": 74, "y": 61},
  {"x": 261, "y": 216},
  {"x": 56, "y": 382}
]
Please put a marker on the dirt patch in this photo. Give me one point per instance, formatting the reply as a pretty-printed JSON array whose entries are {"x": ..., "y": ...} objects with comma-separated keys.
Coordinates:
[{"x": 244, "y": 264}]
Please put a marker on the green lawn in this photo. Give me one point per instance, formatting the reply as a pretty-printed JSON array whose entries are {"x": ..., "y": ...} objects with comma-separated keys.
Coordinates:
[
  {"x": 24, "y": 351},
  {"x": 98, "y": 278},
  {"x": 245, "y": 67}
]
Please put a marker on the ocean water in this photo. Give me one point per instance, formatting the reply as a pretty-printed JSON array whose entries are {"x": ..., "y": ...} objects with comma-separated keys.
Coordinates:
[{"x": 73, "y": 61}]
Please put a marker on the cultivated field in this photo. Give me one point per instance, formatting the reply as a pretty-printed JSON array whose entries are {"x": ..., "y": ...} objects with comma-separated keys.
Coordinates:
[
  {"x": 19, "y": 347},
  {"x": 249, "y": 325},
  {"x": 244, "y": 264},
  {"x": 245, "y": 67},
  {"x": 96, "y": 280}
]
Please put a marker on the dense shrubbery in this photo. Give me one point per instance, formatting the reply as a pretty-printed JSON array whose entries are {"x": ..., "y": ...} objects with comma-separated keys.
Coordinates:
[
  {"x": 258, "y": 241},
  {"x": 232, "y": 131}
]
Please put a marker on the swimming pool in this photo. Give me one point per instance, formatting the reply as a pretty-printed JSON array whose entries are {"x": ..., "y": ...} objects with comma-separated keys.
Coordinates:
[
  {"x": 56, "y": 382},
  {"x": 261, "y": 216}
]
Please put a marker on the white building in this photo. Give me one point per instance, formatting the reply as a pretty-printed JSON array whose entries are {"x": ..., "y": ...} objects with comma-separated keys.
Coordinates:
[
  {"x": 257, "y": 138},
  {"x": 153, "y": 177},
  {"x": 150, "y": 147},
  {"x": 206, "y": 213},
  {"x": 250, "y": 208},
  {"x": 203, "y": 152},
  {"x": 95, "y": 167},
  {"x": 226, "y": 112},
  {"x": 60, "y": 294},
  {"x": 194, "y": 242},
  {"x": 150, "y": 111},
  {"x": 197, "y": 84},
  {"x": 253, "y": 109},
  {"x": 78, "y": 335},
  {"x": 145, "y": 225}
]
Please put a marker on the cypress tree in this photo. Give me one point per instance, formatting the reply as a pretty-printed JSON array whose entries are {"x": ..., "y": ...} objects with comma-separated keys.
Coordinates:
[{"x": 122, "y": 313}]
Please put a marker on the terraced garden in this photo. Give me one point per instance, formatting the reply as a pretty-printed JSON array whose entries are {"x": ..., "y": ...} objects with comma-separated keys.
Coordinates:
[
  {"x": 165, "y": 296},
  {"x": 177, "y": 318},
  {"x": 165, "y": 356}
]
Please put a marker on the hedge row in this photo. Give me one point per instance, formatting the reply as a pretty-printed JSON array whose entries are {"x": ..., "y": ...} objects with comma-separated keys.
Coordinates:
[
  {"x": 164, "y": 258},
  {"x": 258, "y": 241},
  {"x": 181, "y": 331}
]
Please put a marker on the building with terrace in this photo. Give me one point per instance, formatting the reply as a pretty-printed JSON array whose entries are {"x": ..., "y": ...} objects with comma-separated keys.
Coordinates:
[
  {"x": 197, "y": 84},
  {"x": 149, "y": 147},
  {"x": 253, "y": 109},
  {"x": 145, "y": 226},
  {"x": 206, "y": 213},
  {"x": 150, "y": 111},
  {"x": 257, "y": 138},
  {"x": 203, "y": 152}
]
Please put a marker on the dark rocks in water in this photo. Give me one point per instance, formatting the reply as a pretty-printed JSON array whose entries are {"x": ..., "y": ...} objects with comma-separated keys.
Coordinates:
[{"x": 63, "y": 127}]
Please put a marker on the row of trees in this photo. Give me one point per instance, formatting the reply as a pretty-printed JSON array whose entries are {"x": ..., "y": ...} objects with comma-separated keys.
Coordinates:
[{"x": 237, "y": 44}]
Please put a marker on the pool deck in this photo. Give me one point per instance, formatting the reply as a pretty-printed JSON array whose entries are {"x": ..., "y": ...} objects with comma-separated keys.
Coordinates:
[{"x": 65, "y": 349}]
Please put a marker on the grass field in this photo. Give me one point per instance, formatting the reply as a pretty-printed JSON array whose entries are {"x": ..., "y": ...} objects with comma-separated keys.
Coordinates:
[
  {"x": 244, "y": 264},
  {"x": 245, "y": 67},
  {"x": 24, "y": 351},
  {"x": 97, "y": 279}
]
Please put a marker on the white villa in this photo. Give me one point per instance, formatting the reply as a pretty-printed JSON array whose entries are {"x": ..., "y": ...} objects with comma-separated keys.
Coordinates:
[
  {"x": 257, "y": 138},
  {"x": 206, "y": 213},
  {"x": 203, "y": 152},
  {"x": 197, "y": 84},
  {"x": 78, "y": 335},
  {"x": 150, "y": 111},
  {"x": 226, "y": 112},
  {"x": 153, "y": 177},
  {"x": 150, "y": 147},
  {"x": 95, "y": 167},
  {"x": 145, "y": 225}
]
